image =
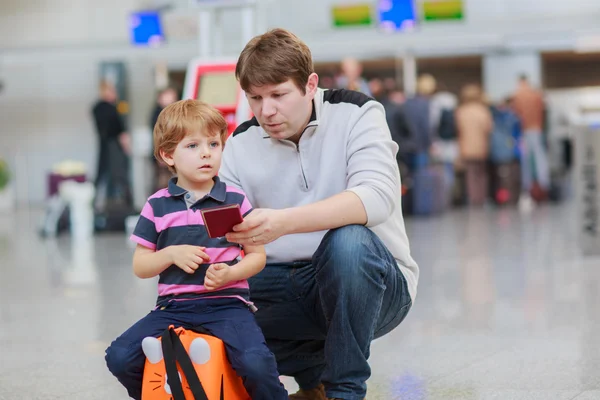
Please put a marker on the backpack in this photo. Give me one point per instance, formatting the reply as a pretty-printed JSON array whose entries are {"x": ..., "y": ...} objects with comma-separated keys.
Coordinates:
[
  {"x": 189, "y": 365},
  {"x": 502, "y": 142},
  {"x": 447, "y": 127}
]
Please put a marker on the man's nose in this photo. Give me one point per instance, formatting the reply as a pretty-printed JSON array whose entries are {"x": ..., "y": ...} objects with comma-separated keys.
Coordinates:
[{"x": 268, "y": 108}]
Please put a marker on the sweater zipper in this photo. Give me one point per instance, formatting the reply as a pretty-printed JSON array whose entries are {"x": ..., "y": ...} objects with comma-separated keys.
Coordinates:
[{"x": 302, "y": 168}]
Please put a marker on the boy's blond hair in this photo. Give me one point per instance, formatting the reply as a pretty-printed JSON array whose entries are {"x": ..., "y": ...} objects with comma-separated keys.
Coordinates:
[
  {"x": 273, "y": 58},
  {"x": 182, "y": 118}
]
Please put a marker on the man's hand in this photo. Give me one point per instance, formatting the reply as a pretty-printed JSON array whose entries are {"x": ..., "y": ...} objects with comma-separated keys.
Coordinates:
[
  {"x": 260, "y": 227},
  {"x": 217, "y": 275},
  {"x": 188, "y": 257}
]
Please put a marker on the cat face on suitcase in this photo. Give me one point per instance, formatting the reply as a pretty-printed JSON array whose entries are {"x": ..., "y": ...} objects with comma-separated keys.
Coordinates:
[
  {"x": 207, "y": 353},
  {"x": 199, "y": 354}
]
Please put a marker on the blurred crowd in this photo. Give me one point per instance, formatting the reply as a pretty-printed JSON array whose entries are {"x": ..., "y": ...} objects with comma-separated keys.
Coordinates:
[
  {"x": 455, "y": 149},
  {"x": 460, "y": 149}
]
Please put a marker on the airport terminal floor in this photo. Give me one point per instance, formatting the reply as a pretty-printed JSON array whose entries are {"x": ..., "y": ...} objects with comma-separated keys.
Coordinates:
[{"x": 507, "y": 309}]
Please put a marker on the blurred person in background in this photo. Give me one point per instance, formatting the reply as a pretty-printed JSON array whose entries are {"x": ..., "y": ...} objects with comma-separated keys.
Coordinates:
[
  {"x": 528, "y": 103},
  {"x": 443, "y": 105},
  {"x": 505, "y": 154},
  {"x": 418, "y": 114},
  {"x": 162, "y": 174},
  {"x": 474, "y": 124},
  {"x": 397, "y": 122},
  {"x": 351, "y": 76},
  {"x": 114, "y": 143}
]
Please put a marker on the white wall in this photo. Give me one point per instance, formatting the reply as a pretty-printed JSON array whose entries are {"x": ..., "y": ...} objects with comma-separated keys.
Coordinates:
[
  {"x": 501, "y": 72},
  {"x": 37, "y": 23},
  {"x": 50, "y": 51}
]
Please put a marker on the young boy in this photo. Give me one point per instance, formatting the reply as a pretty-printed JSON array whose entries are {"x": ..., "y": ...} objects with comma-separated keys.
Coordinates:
[{"x": 200, "y": 280}]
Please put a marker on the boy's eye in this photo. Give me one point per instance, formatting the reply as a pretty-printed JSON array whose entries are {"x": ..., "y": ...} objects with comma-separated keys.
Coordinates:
[
  {"x": 192, "y": 146},
  {"x": 255, "y": 97},
  {"x": 214, "y": 144}
]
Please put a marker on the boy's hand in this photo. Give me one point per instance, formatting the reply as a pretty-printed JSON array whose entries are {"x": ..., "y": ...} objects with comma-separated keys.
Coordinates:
[
  {"x": 188, "y": 257},
  {"x": 217, "y": 275}
]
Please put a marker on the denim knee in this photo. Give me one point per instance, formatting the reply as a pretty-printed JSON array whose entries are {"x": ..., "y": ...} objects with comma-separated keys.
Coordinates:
[
  {"x": 345, "y": 252},
  {"x": 254, "y": 365},
  {"x": 118, "y": 360},
  {"x": 258, "y": 370}
]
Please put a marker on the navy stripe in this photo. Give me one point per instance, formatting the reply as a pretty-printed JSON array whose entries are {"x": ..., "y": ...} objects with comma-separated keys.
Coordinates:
[
  {"x": 195, "y": 235},
  {"x": 162, "y": 206},
  {"x": 245, "y": 126},
  {"x": 247, "y": 212},
  {"x": 337, "y": 96},
  {"x": 146, "y": 229},
  {"x": 234, "y": 198},
  {"x": 176, "y": 276},
  {"x": 167, "y": 205}
]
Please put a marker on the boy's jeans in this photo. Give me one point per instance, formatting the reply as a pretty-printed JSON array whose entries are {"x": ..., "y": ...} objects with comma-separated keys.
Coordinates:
[
  {"x": 319, "y": 317},
  {"x": 228, "y": 319}
]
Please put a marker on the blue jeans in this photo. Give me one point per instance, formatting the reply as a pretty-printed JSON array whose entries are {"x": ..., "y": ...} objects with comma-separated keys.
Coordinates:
[
  {"x": 320, "y": 316},
  {"x": 228, "y": 319},
  {"x": 534, "y": 162}
]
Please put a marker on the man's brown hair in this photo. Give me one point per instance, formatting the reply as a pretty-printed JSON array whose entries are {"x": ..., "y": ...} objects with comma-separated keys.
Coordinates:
[
  {"x": 273, "y": 58},
  {"x": 185, "y": 117}
]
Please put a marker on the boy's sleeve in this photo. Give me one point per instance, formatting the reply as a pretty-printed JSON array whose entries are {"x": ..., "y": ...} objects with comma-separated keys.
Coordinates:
[
  {"x": 245, "y": 206},
  {"x": 145, "y": 233}
]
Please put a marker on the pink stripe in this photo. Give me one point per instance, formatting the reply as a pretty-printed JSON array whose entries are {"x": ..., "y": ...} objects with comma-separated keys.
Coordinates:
[
  {"x": 142, "y": 242},
  {"x": 148, "y": 212},
  {"x": 222, "y": 254},
  {"x": 160, "y": 193},
  {"x": 179, "y": 218},
  {"x": 165, "y": 290},
  {"x": 245, "y": 204}
]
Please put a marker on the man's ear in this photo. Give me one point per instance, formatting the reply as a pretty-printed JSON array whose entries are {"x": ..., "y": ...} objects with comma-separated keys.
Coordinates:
[
  {"x": 312, "y": 85},
  {"x": 167, "y": 158}
]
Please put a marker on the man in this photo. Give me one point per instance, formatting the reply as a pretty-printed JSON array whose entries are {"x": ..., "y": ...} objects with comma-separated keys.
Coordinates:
[
  {"x": 114, "y": 147},
  {"x": 418, "y": 113},
  {"x": 528, "y": 104},
  {"x": 351, "y": 76},
  {"x": 319, "y": 168}
]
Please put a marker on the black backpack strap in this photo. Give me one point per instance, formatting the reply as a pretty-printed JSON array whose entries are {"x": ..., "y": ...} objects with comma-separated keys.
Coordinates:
[
  {"x": 171, "y": 365},
  {"x": 177, "y": 353}
]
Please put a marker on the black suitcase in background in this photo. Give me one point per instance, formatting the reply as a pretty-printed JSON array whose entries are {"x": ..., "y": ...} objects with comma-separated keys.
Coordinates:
[{"x": 112, "y": 218}]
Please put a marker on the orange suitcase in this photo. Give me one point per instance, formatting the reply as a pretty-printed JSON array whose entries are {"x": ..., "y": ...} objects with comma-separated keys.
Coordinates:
[{"x": 203, "y": 370}]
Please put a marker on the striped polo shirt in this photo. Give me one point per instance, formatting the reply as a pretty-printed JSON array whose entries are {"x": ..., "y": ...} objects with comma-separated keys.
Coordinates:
[{"x": 172, "y": 217}]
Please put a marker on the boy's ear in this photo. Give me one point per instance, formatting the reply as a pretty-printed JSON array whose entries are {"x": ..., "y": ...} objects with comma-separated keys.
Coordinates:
[{"x": 167, "y": 158}]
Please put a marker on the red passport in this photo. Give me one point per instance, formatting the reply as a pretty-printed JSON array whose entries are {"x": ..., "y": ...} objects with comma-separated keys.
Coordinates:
[{"x": 221, "y": 220}]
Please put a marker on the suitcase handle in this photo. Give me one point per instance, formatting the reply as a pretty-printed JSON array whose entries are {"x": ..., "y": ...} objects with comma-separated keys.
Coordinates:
[{"x": 173, "y": 352}]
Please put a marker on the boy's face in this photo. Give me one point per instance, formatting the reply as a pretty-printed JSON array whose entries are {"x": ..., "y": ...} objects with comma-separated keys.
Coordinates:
[
  {"x": 282, "y": 110},
  {"x": 197, "y": 159}
]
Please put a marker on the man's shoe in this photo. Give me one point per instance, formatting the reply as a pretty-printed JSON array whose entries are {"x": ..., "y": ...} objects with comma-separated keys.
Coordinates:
[{"x": 317, "y": 393}]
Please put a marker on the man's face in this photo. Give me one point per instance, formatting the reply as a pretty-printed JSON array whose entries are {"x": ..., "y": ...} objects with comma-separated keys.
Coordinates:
[{"x": 281, "y": 109}]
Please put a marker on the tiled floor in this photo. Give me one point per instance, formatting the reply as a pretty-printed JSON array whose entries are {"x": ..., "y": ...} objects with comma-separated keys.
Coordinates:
[{"x": 507, "y": 309}]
